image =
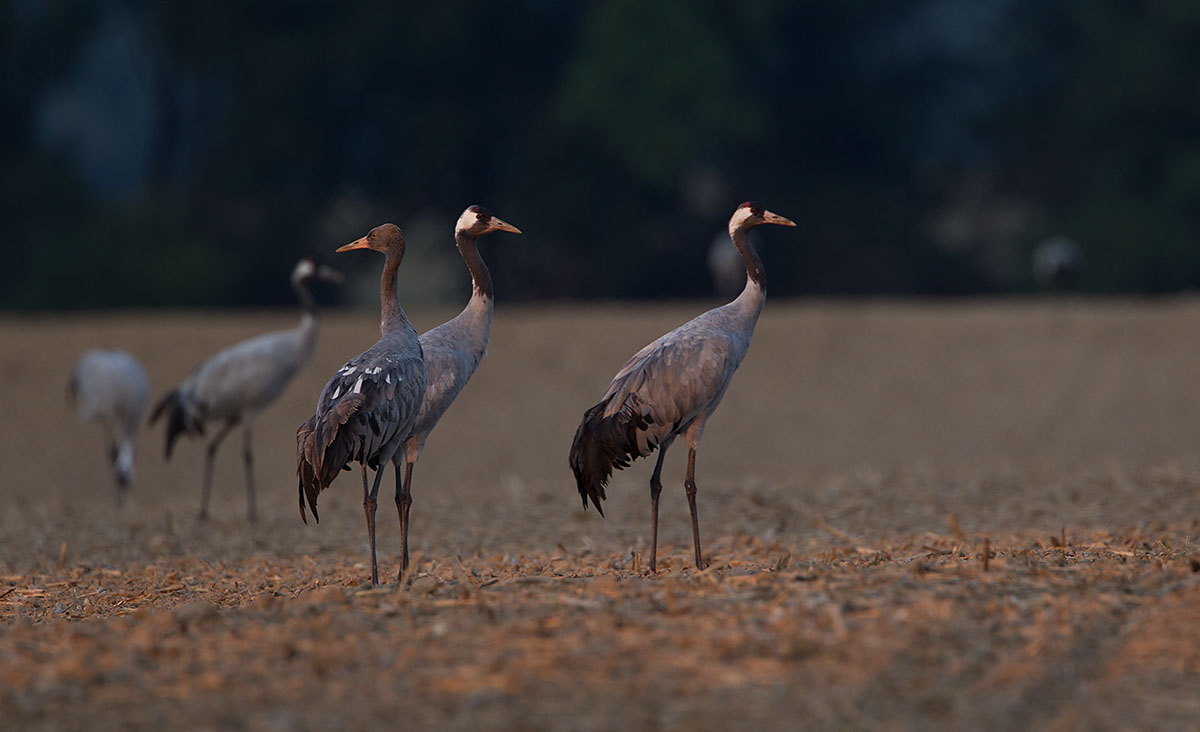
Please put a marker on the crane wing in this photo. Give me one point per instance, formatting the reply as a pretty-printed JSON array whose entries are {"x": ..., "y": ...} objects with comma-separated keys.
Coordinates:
[
  {"x": 369, "y": 404},
  {"x": 660, "y": 390}
]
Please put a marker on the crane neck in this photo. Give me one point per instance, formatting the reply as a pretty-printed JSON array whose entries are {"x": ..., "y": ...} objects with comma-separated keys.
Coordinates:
[
  {"x": 754, "y": 295},
  {"x": 308, "y": 312},
  {"x": 391, "y": 316},
  {"x": 481, "y": 278},
  {"x": 754, "y": 267},
  {"x": 308, "y": 303}
]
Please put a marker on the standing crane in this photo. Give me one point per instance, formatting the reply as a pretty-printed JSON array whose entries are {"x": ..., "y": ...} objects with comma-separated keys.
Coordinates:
[
  {"x": 110, "y": 387},
  {"x": 671, "y": 387},
  {"x": 452, "y": 350},
  {"x": 369, "y": 407},
  {"x": 234, "y": 384}
]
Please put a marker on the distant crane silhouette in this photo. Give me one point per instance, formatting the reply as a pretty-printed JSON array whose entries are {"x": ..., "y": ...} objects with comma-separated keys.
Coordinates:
[
  {"x": 1057, "y": 262},
  {"x": 110, "y": 387},
  {"x": 234, "y": 384},
  {"x": 671, "y": 387},
  {"x": 452, "y": 350},
  {"x": 725, "y": 266},
  {"x": 369, "y": 407}
]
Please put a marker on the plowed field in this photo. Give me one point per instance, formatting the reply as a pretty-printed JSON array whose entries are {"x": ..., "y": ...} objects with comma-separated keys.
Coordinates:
[{"x": 972, "y": 515}]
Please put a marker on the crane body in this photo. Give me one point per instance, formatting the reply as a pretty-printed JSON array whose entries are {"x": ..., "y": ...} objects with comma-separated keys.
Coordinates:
[
  {"x": 234, "y": 384},
  {"x": 671, "y": 387},
  {"x": 369, "y": 406},
  {"x": 110, "y": 387},
  {"x": 452, "y": 350}
]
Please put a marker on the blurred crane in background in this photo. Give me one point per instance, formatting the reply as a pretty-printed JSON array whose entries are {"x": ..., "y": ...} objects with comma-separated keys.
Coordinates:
[
  {"x": 671, "y": 387},
  {"x": 1057, "y": 263},
  {"x": 111, "y": 387},
  {"x": 241, "y": 380}
]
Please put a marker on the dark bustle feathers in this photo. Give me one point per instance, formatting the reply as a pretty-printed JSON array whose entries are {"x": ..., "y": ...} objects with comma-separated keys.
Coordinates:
[
  {"x": 177, "y": 419},
  {"x": 602, "y": 445},
  {"x": 323, "y": 449}
]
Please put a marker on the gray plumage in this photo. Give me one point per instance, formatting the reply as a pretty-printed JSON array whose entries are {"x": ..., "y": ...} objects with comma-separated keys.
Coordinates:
[
  {"x": 368, "y": 408},
  {"x": 234, "y": 384},
  {"x": 111, "y": 387},
  {"x": 454, "y": 349},
  {"x": 671, "y": 387}
]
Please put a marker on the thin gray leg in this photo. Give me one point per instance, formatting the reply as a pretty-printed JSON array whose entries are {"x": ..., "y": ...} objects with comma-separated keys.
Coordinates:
[
  {"x": 209, "y": 455},
  {"x": 248, "y": 452}
]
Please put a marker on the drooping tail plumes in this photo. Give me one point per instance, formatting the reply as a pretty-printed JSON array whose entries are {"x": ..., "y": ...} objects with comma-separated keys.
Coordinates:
[
  {"x": 323, "y": 449},
  {"x": 604, "y": 444},
  {"x": 179, "y": 419}
]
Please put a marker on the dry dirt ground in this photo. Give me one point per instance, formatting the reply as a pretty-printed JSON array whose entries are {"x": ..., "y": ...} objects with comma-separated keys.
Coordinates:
[{"x": 965, "y": 515}]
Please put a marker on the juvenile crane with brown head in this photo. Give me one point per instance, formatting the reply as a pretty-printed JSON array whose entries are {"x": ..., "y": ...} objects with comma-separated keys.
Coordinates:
[{"x": 369, "y": 407}]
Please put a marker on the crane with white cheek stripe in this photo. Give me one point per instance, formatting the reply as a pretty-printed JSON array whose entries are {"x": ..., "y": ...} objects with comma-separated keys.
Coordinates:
[
  {"x": 453, "y": 350},
  {"x": 671, "y": 387}
]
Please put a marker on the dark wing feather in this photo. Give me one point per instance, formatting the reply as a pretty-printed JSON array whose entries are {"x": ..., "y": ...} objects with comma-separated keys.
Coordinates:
[
  {"x": 364, "y": 412},
  {"x": 659, "y": 391},
  {"x": 604, "y": 444},
  {"x": 180, "y": 420}
]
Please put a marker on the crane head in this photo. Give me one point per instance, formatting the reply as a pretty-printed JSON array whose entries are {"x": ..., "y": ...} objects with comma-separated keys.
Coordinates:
[
  {"x": 477, "y": 221},
  {"x": 382, "y": 239},
  {"x": 751, "y": 214},
  {"x": 307, "y": 269}
]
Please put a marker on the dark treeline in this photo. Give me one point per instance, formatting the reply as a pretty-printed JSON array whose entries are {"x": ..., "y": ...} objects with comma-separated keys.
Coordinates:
[{"x": 186, "y": 153}]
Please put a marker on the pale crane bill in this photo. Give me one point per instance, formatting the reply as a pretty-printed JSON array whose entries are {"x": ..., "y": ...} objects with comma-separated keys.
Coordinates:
[
  {"x": 360, "y": 243},
  {"x": 499, "y": 225},
  {"x": 774, "y": 218}
]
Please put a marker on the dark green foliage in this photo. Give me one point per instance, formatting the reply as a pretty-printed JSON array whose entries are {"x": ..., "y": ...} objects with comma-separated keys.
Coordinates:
[{"x": 923, "y": 147}]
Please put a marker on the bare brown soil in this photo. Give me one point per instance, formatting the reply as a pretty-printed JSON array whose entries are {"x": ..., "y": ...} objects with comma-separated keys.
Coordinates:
[{"x": 973, "y": 515}]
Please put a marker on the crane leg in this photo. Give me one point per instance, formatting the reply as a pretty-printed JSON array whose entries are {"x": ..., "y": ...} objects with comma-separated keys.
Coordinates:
[
  {"x": 113, "y": 451},
  {"x": 369, "y": 505},
  {"x": 689, "y": 487},
  {"x": 248, "y": 452},
  {"x": 403, "y": 503},
  {"x": 209, "y": 455},
  {"x": 655, "y": 490}
]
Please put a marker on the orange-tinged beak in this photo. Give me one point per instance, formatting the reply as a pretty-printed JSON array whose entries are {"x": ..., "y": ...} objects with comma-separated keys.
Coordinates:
[
  {"x": 771, "y": 218},
  {"x": 360, "y": 243},
  {"x": 504, "y": 226}
]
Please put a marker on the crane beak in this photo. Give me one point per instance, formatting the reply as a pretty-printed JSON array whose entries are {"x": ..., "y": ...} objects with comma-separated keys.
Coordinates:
[
  {"x": 499, "y": 225},
  {"x": 360, "y": 243},
  {"x": 774, "y": 218},
  {"x": 329, "y": 274}
]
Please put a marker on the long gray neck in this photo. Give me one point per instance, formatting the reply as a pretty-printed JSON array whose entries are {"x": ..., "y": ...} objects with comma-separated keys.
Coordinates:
[
  {"x": 308, "y": 313},
  {"x": 308, "y": 303},
  {"x": 481, "y": 278},
  {"x": 754, "y": 268},
  {"x": 755, "y": 293},
  {"x": 476, "y": 317},
  {"x": 391, "y": 316}
]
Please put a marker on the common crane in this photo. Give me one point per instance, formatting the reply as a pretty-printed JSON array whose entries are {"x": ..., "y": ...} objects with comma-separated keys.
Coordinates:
[
  {"x": 453, "y": 350},
  {"x": 111, "y": 387},
  {"x": 234, "y": 384},
  {"x": 368, "y": 408},
  {"x": 671, "y": 387}
]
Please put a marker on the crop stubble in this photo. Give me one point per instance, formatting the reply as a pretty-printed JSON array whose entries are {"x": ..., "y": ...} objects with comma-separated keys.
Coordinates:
[{"x": 917, "y": 515}]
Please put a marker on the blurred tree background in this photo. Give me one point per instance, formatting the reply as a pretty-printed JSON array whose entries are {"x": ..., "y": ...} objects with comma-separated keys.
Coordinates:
[{"x": 187, "y": 153}]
